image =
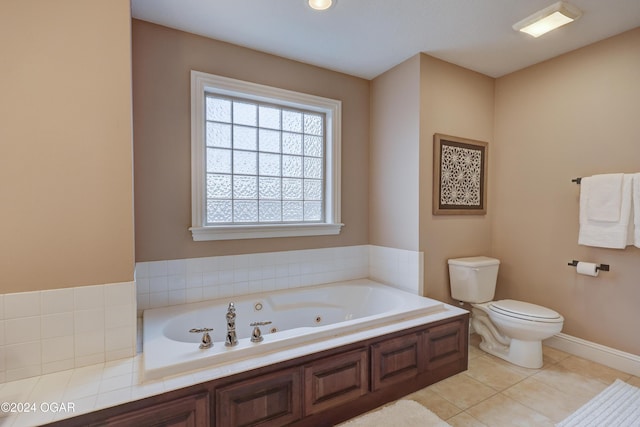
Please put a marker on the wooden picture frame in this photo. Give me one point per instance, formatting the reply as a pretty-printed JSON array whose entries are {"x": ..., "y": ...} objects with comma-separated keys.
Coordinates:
[{"x": 459, "y": 175}]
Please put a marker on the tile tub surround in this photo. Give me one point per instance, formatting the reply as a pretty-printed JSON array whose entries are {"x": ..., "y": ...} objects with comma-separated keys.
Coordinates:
[
  {"x": 173, "y": 282},
  {"x": 54, "y": 330},
  {"x": 99, "y": 386}
]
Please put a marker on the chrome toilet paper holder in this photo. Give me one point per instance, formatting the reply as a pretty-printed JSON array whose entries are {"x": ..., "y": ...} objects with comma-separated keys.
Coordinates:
[{"x": 601, "y": 267}]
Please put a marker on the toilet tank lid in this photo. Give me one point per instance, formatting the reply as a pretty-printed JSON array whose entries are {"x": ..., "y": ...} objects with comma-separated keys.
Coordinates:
[{"x": 476, "y": 261}]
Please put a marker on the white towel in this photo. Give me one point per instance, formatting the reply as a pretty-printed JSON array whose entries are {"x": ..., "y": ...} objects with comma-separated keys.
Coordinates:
[
  {"x": 605, "y": 197},
  {"x": 606, "y": 234},
  {"x": 636, "y": 208}
]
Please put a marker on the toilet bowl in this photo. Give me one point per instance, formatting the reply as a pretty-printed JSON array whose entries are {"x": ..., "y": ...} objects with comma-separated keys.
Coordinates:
[{"x": 512, "y": 330}]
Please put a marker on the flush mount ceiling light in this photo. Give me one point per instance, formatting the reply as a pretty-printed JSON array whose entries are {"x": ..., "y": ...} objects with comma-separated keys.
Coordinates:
[
  {"x": 549, "y": 18},
  {"x": 320, "y": 4}
]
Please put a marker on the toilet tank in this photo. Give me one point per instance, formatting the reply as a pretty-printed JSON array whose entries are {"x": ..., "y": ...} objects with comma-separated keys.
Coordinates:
[{"x": 473, "y": 279}]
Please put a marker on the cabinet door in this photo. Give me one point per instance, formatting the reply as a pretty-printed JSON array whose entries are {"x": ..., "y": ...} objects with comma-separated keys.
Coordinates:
[
  {"x": 335, "y": 380},
  {"x": 396, "y": 360},
  {"x": 268, "y": 400},
  {"x": 445, "y": 344},
  {"x": 191, "y": 411}
]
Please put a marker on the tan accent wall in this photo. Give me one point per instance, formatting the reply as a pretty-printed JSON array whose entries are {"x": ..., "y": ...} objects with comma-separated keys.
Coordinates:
[
  {"x": 162, "y": 60},
  {"x": 459, "y": 102},
  {"x": 394, "y": 162},
  {"x": 575, "y": 115},
  {"x": 66, "y": 145}
]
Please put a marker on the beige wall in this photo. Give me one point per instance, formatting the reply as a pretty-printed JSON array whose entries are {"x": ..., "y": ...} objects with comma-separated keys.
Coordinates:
[
  {"x": 454, "y": 101},
  {"x": 162, "y": 60},
  {"x": 66, "y": 150},
  {"x": 394, "y": 161},
  {"x": 576, "y": 115}
]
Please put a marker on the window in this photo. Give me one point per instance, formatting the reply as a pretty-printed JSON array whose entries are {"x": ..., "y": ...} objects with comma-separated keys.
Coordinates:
[{"x": 265, "y": 161}]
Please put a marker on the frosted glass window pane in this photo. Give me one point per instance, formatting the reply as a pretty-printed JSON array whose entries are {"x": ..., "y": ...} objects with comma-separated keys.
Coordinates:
[
  {"x": 291, "y": 121},
  {"x": 269, "y": 140},
  {"x": 244, "y": 138},
  {"x": 245, "y": 187},
  {"x": 312, "y": 211},
  {"x": 218, "y": 135},
  {"x": 219, "y": 211},
  {"x": 245, "y": 163},
  {"x": 269, "y": 117},
  {"x": 291, "y": 143},
  {"x": 218, "y": 160},
  {"x": 270, "y": 188},
  {"x": 218, "y": 109},
  {"x": 218, "y": 186},
  {"x": 270, "y": 211},
  {"x": 313, "y": 124},
  {"x": 291, "y": 189},
  {"x": 312, "y": 167},
  {"x": 312, "y": 146},
  {"x": 245, "y": 113},
  {"x": 269, "y": 164},
  {"x": 292, "y": 166},
  {"x": 312, "y": 189},
  {"x": 245, "y": 211},
  {"x": 291, "y": 211}
]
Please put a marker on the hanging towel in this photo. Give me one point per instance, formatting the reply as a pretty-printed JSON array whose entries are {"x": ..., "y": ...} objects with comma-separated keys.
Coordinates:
[
  {"x": 636, "y": 208},
  {"x": 605, "y": 197},
  {"x": 605, "y": 234}
]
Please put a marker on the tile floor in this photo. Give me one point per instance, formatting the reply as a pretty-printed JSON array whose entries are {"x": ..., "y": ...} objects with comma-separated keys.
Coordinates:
[{"x": 494, "y": 393}]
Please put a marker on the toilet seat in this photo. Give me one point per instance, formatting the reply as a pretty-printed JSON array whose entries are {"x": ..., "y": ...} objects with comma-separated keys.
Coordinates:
[{"x": 525, "y": 311}]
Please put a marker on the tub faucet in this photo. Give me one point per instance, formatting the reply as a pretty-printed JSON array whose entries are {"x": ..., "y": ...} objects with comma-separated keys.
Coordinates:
[{"x": 232, "y": 339}]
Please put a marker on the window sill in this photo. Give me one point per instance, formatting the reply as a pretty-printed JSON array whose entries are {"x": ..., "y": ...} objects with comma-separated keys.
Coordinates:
[{"x": 262, "y": 231}]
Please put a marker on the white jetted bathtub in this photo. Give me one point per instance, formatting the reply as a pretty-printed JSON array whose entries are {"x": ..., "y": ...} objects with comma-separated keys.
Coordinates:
[{"x": 298, "y": 316}]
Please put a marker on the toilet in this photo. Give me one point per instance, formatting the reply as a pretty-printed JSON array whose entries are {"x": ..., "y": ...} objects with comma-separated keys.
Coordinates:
[{"x": 511, "y": 330}]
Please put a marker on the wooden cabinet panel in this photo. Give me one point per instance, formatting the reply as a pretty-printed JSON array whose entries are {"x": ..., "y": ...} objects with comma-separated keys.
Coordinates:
[
  {"x": 267, "y": 400},
  {"x": 445, "y": 344},
  {"x": 396, "y": 360},
  {"x": 191, "y": 411},
  {"x": 335, "y": 380}
]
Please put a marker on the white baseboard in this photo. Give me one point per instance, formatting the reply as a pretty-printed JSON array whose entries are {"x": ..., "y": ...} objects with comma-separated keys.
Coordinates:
[{"x": 625, "y": 362}]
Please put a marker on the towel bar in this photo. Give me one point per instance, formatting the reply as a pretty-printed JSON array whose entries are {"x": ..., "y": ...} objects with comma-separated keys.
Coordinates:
[
  {"x": 601, "y": 267},
  {"x": 577, "y": 180}
]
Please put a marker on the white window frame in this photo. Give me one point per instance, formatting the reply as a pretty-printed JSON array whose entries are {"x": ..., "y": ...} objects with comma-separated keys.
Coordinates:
[{"x": 202, "y": 83}]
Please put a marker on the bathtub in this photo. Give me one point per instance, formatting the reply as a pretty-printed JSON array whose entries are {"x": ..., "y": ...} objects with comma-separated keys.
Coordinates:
[{"x": 298, "y": 316}]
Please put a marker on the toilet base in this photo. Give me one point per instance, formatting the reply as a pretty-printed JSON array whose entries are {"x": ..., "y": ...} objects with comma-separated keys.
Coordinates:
[{"x": 527, "y": 354}]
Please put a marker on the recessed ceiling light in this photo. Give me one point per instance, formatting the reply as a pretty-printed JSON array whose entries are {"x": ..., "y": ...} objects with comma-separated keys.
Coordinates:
[
  {"x": 549, "y": 18},
  {"x": 320, "y": 4}
]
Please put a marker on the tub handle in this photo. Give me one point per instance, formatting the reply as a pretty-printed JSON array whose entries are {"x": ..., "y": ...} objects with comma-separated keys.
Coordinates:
[
  {"x": 256, "y": 335},
  {"x": 206, "y": 341}
]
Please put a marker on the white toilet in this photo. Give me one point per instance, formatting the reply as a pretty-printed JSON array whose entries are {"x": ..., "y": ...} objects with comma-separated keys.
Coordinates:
[{"x": 512, "y": 330}]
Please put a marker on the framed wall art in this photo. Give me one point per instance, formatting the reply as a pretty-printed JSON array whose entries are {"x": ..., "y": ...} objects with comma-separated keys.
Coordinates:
[{"x": 459, "y": 176}]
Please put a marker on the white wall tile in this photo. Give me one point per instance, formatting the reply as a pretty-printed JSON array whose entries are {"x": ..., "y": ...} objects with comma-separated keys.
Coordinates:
[
  {"x": 88, "y": 297},
  {"x": 22, "y": 330},
  {"x": 119, "y": 316},
  {"x": 118, "y": 294},
  {"x": 57, "y": 301},
  {"x": 158, "y": 268},
  {"x": 88, "y": 321},
  {"x": 23, "y": 304},
  {"x": 57, "y": 349},
  {"x": 57, "y": 325}
]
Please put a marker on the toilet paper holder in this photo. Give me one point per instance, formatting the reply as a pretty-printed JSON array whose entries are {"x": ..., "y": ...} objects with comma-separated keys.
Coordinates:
[{"x": 601, "y": 267}]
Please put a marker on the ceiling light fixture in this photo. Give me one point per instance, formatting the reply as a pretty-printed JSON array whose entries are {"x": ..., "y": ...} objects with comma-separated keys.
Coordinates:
[
  {"x": 549, "y": 18},
  {"x": 320, "y": 4}
]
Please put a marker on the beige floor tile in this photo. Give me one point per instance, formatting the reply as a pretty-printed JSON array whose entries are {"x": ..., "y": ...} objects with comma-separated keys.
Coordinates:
[
  {"x": 634, "y": 381},
  {"x": 435, "y": 403},
  {"x": 593, "y": 370},
  {"x": 502, "y": 411},
  {"x": 545, "y": 399},
  {"x": 524, "y": 371},
  {"x": 462, "y": 390},
  {"x": 553, "y": 355},
  {"x": 570, "y": 382},
  {"x": 464, "y": 420},
  {"x": 497, "y": 375},
  {"x": 475, "y": 352}
]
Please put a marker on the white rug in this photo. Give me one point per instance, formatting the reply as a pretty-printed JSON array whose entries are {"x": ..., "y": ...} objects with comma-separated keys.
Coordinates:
[
  {"x": 403, "y": 413},
  {"x": 617, "y": 406}
]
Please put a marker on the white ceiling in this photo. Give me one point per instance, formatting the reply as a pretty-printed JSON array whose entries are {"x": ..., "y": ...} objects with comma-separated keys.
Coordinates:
[{"x": 364, "y": 38}]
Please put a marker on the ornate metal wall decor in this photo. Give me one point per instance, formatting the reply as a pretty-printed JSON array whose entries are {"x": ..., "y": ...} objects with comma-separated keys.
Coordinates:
[{"x": 459, "y": 176}]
